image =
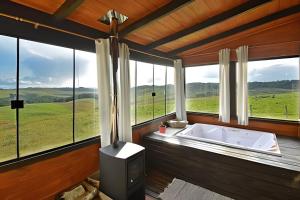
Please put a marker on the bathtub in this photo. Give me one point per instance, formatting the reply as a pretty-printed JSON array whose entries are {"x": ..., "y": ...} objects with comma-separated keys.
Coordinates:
[{"x": 258, "y": 141}]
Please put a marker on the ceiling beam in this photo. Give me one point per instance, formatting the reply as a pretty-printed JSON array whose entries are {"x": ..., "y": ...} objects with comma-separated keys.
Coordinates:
[
  {"x": 164, "y": 10},
  {"x": 209, "y": 22},
  {"x": 45, "y": 35},
  {"x": 67, "y": 8},
  {"x": 283, "y": 13}
]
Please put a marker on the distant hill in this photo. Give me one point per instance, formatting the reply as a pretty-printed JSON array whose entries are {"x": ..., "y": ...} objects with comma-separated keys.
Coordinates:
[{"x": 193, "y": 90}]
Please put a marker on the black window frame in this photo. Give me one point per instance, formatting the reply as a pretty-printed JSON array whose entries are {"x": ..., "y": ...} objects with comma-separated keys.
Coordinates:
[
  {"x": 153, "y": 97},
  {"x": 60, "y": 149},
  {"x": 197, "y": 112}
]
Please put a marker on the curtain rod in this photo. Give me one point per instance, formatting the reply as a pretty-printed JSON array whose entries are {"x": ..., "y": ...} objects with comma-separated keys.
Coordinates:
[{"x": 36, "y": 25}]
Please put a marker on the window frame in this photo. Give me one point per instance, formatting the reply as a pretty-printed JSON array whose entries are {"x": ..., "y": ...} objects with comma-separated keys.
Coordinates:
[
  {"x": 274, "y": 120},
  {"x": 153, "y": 101},
  {"x": 20, "y": 161},
  {"x": 232, "y": 88},
  {"x": 52, "y": 151},
  {"x": 185, "y": 89}
]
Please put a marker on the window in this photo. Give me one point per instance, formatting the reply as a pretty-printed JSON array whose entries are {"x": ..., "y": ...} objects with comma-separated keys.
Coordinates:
[
  {"x": 170, "y": 90},
  {"x": 46, "y": 86},
  {"x": 132, "y": 68},
  {"x": 50, "y": 78},
  {"x": 86, "y": 96},
  {"x": 159, "y": 89},
  {"x": 144, "y": 89},
  {"x": 152, "y": 91},
  {"x": 8, "y": 68},
  {"x": 202, "y": 88},
  {"x": 273, "y": 88}
]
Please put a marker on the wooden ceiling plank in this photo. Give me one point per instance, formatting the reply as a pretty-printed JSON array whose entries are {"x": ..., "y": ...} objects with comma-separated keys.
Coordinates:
[
  {"x": 161, "y": 12},
  {"x": 67, "y": 8},
  {"x": 11, "y": 8},
  {"x": 209, "y": 22},
  {"x": 261, "y": 21}
]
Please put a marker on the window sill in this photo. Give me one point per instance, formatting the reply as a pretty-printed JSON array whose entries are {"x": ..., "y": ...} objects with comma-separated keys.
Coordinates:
[
  {"x": 19, "y": 162},
  {"x": 275, "y": 121},
  {"x": 202, "y": 114},
  {"x": 137, "y": 126}
]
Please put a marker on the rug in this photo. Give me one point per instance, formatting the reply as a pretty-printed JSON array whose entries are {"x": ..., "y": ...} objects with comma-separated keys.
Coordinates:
[{"x": 181, "y": 190}]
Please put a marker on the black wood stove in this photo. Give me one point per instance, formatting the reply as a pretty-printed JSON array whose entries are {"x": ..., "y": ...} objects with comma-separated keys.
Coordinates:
[{"x": 122, "y": 170}]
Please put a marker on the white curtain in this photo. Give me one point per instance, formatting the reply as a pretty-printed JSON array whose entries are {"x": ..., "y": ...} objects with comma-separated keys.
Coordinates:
[
  {"x": 179, "y": 90},
  {"x": 242, "y": 85},
  {"x": 224, "y": 94},
  {"x": 124, "y": 122},
  {"x": 104, "y": 71}
]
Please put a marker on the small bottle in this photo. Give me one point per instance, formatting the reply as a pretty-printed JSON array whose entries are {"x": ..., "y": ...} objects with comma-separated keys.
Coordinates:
[{"x": 162, "y": 128}]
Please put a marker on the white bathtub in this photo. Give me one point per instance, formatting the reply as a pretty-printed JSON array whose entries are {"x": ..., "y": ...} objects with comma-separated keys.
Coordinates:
[{"x": 258, "y": 141}]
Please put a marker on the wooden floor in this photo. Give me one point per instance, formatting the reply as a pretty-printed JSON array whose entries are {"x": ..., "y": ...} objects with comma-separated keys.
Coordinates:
[{"x": 236, "y": 173}]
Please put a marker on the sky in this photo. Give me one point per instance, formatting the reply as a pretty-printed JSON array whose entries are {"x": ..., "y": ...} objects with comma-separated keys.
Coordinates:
[
  {"x": 260, "y": 71},
  {"x": 43, "y": 65}
]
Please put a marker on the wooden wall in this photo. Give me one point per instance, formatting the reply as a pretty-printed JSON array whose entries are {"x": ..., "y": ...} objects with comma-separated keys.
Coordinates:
[
  {"x": 279, "y": 127},
  {"x": 46, "y": 178},
  {"x": 277, "y": 39}
]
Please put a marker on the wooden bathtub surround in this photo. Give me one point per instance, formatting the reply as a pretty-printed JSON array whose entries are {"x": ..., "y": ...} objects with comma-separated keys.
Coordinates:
[{"x": 235, "y": 173}]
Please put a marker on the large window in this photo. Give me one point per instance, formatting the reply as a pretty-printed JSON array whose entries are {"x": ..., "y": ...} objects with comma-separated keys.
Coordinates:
[
  {"x": 273, "y": 88},
  {"x": 152, "y": 91},
  {"x": 202, "y": 88},
  {"x": 159, "y": 90},
  {"x": 144, "y": 89},
  {"x": 132, "y": 65},
  {"x": 86, "y": 103},
  {"x": 170, "y": 90},
  {"x": 8, "y": 67},
  {"x": 46, "y": 79},
  {"x": 59, "y": 89}
]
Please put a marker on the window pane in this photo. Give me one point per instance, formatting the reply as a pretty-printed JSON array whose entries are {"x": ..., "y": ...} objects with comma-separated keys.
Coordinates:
[
  {"x": 46, "y": 81},
  {"x": 273, "y": 88},
  {"x": 170, "y": 90},
  {"x": 8, "y": 67},
  {"x": 86, "y": 96},
  {"x": 159, "y": 88},
  {"x": 144, "y": 92},
  {"x": 202, "y": 88},
  {"x": 132, "y": 90}
]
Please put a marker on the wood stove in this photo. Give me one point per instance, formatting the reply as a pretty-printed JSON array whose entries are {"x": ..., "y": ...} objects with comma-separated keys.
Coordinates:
[{"x": 122, "y": 171}]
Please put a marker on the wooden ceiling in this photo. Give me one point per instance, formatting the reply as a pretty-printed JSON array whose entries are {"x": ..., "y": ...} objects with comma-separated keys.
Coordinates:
[{"x": 182, "y": 28}]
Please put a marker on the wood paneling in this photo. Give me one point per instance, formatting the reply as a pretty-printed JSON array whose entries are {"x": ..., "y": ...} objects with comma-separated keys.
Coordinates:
[
  {"x": 91, "y": 10},
  {"x": 278, "y": 38},
  {"x": 193, "y": 13},
  {"x": 46, "y": 178},
  {"x": 245, "y": 175},
  {"x": 47, "y": 6},
  {"x": 280, "y": 128},
  {"x": 251, "y": 15}
]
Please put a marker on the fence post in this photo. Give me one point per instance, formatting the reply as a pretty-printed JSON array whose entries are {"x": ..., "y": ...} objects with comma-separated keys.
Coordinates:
[{"x": 286, "y": 111}]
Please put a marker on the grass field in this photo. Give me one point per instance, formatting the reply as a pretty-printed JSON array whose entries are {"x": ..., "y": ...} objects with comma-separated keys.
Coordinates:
[
  {"x": 46, "y": 122},
  {"x": 283, "y": 105}
]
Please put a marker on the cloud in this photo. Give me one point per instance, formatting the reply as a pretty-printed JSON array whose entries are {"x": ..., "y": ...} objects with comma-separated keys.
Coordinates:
[{"x": 274, "y": 72}]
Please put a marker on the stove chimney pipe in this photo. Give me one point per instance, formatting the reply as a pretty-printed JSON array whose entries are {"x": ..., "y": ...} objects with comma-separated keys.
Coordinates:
[{"x": 113, "y": 19}]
